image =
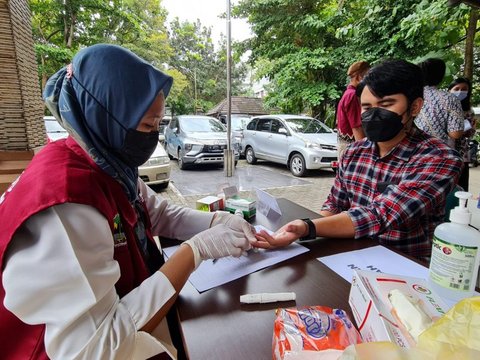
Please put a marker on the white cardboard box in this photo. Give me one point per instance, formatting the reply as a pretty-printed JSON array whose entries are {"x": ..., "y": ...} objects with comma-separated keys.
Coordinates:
[{"x": 373, "y": 312}]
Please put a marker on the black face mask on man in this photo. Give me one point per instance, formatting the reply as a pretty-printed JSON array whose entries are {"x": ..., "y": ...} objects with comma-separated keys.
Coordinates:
[
  {"x": 138, "y": 147},
  {"x": 380, "y": 124}
]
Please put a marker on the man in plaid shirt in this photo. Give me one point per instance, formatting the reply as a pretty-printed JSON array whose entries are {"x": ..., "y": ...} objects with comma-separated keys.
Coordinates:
[{"x": 392, "y": 185}]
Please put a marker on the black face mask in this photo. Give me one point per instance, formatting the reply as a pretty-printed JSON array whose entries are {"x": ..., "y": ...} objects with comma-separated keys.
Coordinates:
[
  {"x": 380, "y": 124},
  {"x": 138, "y": 147}
]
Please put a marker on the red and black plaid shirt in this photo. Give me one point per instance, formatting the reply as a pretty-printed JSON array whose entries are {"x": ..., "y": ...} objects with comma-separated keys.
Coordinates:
[{"x": 398, "y": 199}]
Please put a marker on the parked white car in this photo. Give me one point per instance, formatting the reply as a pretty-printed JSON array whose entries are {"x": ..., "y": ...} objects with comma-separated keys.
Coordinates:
[
  {"x": 53, "y": 129},
  {"x": 300, "y": 142},
  {"x": 156, "y": 171}
]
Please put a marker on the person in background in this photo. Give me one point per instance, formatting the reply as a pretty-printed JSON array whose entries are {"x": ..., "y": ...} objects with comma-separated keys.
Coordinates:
[
  {"x": 349, "y": 125},
  {"x": 392, "y": 185},
  {"x": 462, "y": 89},
  {"x": 441, "y": 115},
  {"x": 81, "y": 275}
]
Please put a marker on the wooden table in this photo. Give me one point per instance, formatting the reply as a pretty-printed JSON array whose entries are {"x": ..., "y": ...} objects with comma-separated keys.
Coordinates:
[{"x": 214, "y": 325}]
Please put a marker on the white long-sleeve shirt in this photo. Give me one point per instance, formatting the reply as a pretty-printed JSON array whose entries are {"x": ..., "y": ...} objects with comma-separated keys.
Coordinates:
[{"x": 59, "y": 271}]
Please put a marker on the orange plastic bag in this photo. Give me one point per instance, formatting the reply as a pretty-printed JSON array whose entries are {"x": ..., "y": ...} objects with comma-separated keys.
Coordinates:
[{"x": 312, "y": 328}]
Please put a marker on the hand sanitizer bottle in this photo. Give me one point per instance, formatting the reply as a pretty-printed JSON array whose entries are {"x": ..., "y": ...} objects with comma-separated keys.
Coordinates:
[{"x": 455, "y": 254}]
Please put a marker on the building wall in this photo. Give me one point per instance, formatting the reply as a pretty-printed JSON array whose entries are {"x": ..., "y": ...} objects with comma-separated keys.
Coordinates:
[{"x": 21, "y": 106}]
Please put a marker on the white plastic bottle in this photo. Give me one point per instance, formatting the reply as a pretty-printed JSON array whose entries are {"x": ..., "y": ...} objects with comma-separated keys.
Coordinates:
[{"x": 455, "y": 254}]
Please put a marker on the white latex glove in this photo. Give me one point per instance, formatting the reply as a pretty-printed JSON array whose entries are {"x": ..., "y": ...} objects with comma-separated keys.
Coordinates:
[
  {"x": 236, "y": 223},
  {"x": 216, "y": 242}
]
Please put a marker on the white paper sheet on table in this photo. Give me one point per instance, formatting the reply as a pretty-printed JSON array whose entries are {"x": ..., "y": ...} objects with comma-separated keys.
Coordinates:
[
  {"x": 376, "y": 258},
  {"x": 210, "y": 274}
]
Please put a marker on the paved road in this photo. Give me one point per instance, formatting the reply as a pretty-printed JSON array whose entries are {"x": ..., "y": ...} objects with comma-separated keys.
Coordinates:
[{"x": 310, "y": 191}]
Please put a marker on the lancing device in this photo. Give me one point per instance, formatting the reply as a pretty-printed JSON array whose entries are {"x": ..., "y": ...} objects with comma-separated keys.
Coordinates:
[{"x": 267, "y": 297}]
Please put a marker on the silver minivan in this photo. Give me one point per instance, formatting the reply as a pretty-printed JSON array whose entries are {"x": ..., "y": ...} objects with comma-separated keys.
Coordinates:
[
  {"x": 196, "y": 140},
  {"x": 300, "y": 142}
]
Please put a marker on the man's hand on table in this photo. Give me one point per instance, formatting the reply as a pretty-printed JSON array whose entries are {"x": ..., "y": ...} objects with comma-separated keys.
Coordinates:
[{"x": 282, "y": 237}]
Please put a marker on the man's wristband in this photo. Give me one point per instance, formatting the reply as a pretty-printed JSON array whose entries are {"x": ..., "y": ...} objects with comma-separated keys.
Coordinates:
[{"x": 312, "y": 232}]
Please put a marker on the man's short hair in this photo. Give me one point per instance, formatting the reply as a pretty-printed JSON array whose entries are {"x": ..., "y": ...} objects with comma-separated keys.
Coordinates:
[
  {"x": 394, "y": 77},
  {"x": 358, "y": 68},
  {"x": 433, "y": 70}
]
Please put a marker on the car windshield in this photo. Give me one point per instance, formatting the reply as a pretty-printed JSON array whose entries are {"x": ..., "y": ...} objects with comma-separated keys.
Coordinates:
[
  {"x": 307, "y": 126},
  {"x": 239, "y": 123},
  {"x": 201, "y": 125}
]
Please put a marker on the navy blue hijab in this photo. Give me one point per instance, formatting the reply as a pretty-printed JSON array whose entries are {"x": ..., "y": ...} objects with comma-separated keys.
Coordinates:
[{"x": 104, "y": 92}]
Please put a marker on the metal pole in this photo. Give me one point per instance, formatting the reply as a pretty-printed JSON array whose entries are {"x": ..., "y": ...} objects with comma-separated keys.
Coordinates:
[
  {"x": 228, "y": 155},
  {"x": 195, "y": 87}
]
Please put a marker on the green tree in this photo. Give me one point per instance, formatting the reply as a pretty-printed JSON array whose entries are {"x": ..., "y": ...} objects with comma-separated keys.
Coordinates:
[
  {"x": 61, "y": 27},
  {"x": 296, "y": 44},
  {"x": 194, "y": 56},
  {"x": 304, "y": 47}
]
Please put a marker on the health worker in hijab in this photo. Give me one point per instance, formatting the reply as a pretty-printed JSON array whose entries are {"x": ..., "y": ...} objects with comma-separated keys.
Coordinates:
[{"x": 81, "y": 276}]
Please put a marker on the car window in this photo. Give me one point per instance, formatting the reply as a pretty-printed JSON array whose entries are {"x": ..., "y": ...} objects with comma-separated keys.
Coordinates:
[
  {"x": 307, "y": 126},
  {"x": 201, "y": 125},
  {"x": 264, "y": 124},
  {"x": 252, "y": 125},
  {"x": 276, "y": 126}
]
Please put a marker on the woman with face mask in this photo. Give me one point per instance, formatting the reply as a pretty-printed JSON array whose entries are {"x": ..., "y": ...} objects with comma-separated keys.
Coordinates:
[
  {"x": 392, "y": 185},
  {"x": 462, "y": 89},
  {"x": 81, "y": 276}
]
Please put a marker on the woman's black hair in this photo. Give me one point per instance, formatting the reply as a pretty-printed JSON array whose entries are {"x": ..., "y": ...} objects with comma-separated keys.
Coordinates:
[
  {"x": 394, "y": 77},
  {"x": 465, "y": 102},
  {"x": 433, "y": 71}
]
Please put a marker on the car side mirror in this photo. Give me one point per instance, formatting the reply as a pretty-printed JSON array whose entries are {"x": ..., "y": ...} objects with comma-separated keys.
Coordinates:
[
  {"x": 175, "y": 130},
  {"x": 283, "y": 131}
]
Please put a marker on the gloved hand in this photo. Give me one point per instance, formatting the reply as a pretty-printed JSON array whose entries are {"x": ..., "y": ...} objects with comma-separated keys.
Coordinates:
[
  {"x": 216, "y": 242},
  {"x": 236, "y": 223}
]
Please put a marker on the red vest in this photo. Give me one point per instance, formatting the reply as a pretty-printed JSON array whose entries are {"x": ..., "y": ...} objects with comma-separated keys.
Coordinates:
[{"x": 62, "y": 172}]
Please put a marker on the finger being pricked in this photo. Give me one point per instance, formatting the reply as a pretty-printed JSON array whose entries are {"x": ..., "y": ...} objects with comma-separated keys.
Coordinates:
[
  {"x": 277, "y": 239},
  {"x": 262, "y": 240}
]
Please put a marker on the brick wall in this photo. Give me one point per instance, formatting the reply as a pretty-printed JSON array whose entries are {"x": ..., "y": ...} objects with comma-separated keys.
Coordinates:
[{"x": 21, "y": 106}]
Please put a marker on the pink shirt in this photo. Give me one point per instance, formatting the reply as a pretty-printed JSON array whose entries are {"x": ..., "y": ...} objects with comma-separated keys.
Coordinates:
[{"x": 348, "y": 113}]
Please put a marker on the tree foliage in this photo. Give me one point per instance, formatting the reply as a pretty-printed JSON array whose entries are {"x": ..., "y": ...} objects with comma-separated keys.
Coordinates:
[
  {"x": 194, "y": 55},
  {"x": 305, "y": 47},
  {"x": 296, "y": 43},
  {"x": 62, "y": 27}
]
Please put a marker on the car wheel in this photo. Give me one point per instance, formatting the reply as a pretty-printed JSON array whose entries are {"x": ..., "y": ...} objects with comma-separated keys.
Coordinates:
[
  {"x": 163, "y": 185},
  {"x": 250, "y": 155},
  {"x": 181, "y": 163},
  {"x": 159, "y": 187},
  {"x": 297, "y": 165}
]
